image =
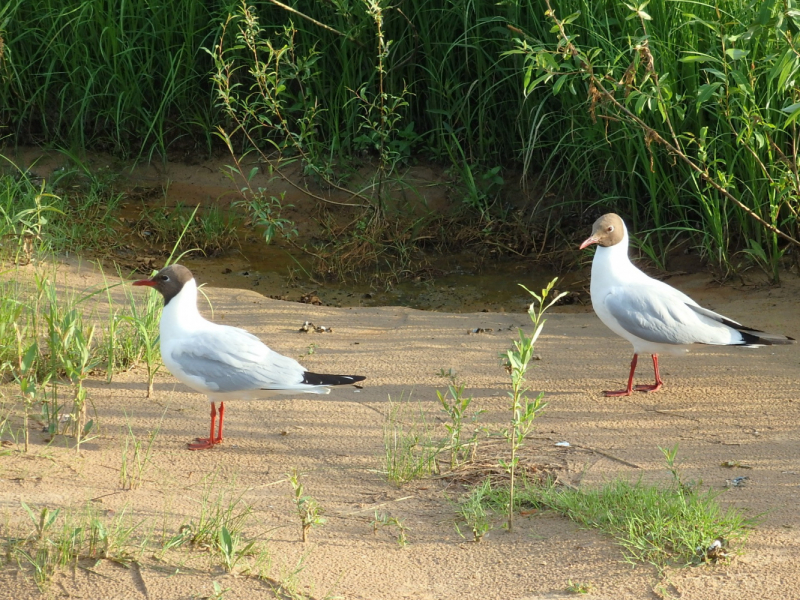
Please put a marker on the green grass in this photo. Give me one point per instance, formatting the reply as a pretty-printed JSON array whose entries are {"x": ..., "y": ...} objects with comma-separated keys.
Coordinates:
[
  {"x": 660, "y": 524},
  {"x": 308, "y": 509},
  {"x": 55, "y": 336},
  {"x": 657, "y": 524},
  {"x": 72, "y": 212},
  {"x": 437, "y": 80},
  {"x": 383, "y": 520},
  {"x": 136, "y": 456},
  {"x": 210, "y": 230},
  {"x": 410, "y": 445},
  {"x": 57, "y": 538},
  {"x": 714, "y": 81},
  {"x": 219, "y": 506}
]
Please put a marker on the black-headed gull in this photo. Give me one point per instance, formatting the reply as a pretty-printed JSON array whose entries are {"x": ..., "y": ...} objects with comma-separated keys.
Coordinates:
[
  {"x": 653, "y": 316},
  {"x": 223, "y": 362}
]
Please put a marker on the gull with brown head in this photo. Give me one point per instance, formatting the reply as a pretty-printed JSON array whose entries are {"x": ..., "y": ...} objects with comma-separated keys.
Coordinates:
[
  {"x": 223, "y": 362},
  {"x": 653, "y": 316}
]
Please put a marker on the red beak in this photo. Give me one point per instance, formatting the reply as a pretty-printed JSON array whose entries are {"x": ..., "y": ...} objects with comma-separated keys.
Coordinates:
[
  {"x": 147, "y": 282},
  {"x": 588, "y": 242}
]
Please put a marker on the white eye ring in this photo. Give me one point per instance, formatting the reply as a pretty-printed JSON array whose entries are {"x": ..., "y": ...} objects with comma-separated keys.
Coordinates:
[
  {"x": 164, "y": 278},
  {"x": 610, "y": 228}
]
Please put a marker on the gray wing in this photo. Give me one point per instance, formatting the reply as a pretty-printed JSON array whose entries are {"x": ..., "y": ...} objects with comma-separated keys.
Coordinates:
[
  {"x": 663, "y": 315},
  {"x": 229, "y": 359},
  {"x": 717, "y": 317}
]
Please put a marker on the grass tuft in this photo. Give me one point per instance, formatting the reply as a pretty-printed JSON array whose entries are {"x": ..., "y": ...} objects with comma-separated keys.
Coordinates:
[{"x": 410, "y": 448}]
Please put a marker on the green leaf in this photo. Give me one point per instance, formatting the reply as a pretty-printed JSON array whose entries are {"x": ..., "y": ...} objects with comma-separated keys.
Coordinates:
[
  {"x": 697, "y": 58},
  {"x": 706, "y": 91},
  {"x": 736, "y": 53},
  {"x": 718, "y": 74},
  {"x": 640, "y": 104},
  {"x": 535, "y": 83},
  {"x": 549, "y": 62},
  {"x": 30, "y": 512},
  {"x": 789, "y": 70},
  {"x": 29, "y": 357},
  {"x": 559, "y": 84},
  {"x": 794, "y": 113},
  {"x": 741, "y": 81},
  {"x": 225, "y": 541}
]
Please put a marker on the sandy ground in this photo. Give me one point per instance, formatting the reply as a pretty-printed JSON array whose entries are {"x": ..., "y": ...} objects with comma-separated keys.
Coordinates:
[{"x": 718, "y": 405}]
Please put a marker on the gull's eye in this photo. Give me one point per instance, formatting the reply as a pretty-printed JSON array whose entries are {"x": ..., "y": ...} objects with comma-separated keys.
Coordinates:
[
  {"x": 610, "y": 228},
  {"x": 164, "y": 278}
]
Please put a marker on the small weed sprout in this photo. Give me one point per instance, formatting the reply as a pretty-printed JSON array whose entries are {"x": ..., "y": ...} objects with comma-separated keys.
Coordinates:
[
  {"x": 308, "y": 509},
  {"x": 25, "y": 376},
  {"x": 218, "y": 593},
  {"x": 578, "y": 588},
  {"x": 670, "y": 455},
  {"x": 144, "y": 317},
  {"x": 43, "y": 522},
  {"x": 225, "y": 508},
  {"x": 410, "y": 450},
  {"x": 264, "y": 211},
  {"x": 473, "y": 511},
  {"x": 230, "y": 547},
  {"x": 449, "y": 374},
  {"x": 136, "y": 456},
  {"x": 523, "y": 409},
  {"x": 383, "y": 519},
  {"x": 456, "y": 407},
  {"x": 77, "y": 365}
]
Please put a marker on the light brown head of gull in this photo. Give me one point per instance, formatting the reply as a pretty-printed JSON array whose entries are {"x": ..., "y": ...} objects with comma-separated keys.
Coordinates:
[{"x": 653, "y": 316}]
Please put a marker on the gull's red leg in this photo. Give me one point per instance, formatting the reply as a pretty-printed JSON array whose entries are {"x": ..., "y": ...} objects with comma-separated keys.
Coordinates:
[
  {"x": 658, "y": 384},
  {"x": 205, "y": 443},
  {"x": 628, "y": 391},
  {"x": 221, "y": 416}
]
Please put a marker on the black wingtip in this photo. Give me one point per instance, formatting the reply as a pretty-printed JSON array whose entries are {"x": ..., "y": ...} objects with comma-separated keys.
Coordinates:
[
  {"x": 753, "y": 337},
  {"x": 322, "y": 379}
]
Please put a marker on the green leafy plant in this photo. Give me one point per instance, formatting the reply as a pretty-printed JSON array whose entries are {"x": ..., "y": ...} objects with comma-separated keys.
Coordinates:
[
  {"x": 717, "y": 111},
  {"x": 524, "y": 409},
  {"x": 474, "y": 511},
  {"x": 660, "y": 524},
  {"x": 385, "y": 520},
  {"x": 578, "y": 588},
  {"x": 136, "y": 456},
  {"x": 25, "y": 375},
  {"x": 410, "y": 447},
  {"x": 308, "y": 509},
  {"x": 230, "y": 546},
  {"x": 77, "y": 370},
  {"x": 456, "y": 407},
  {"x": 265, "y": 211}
]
